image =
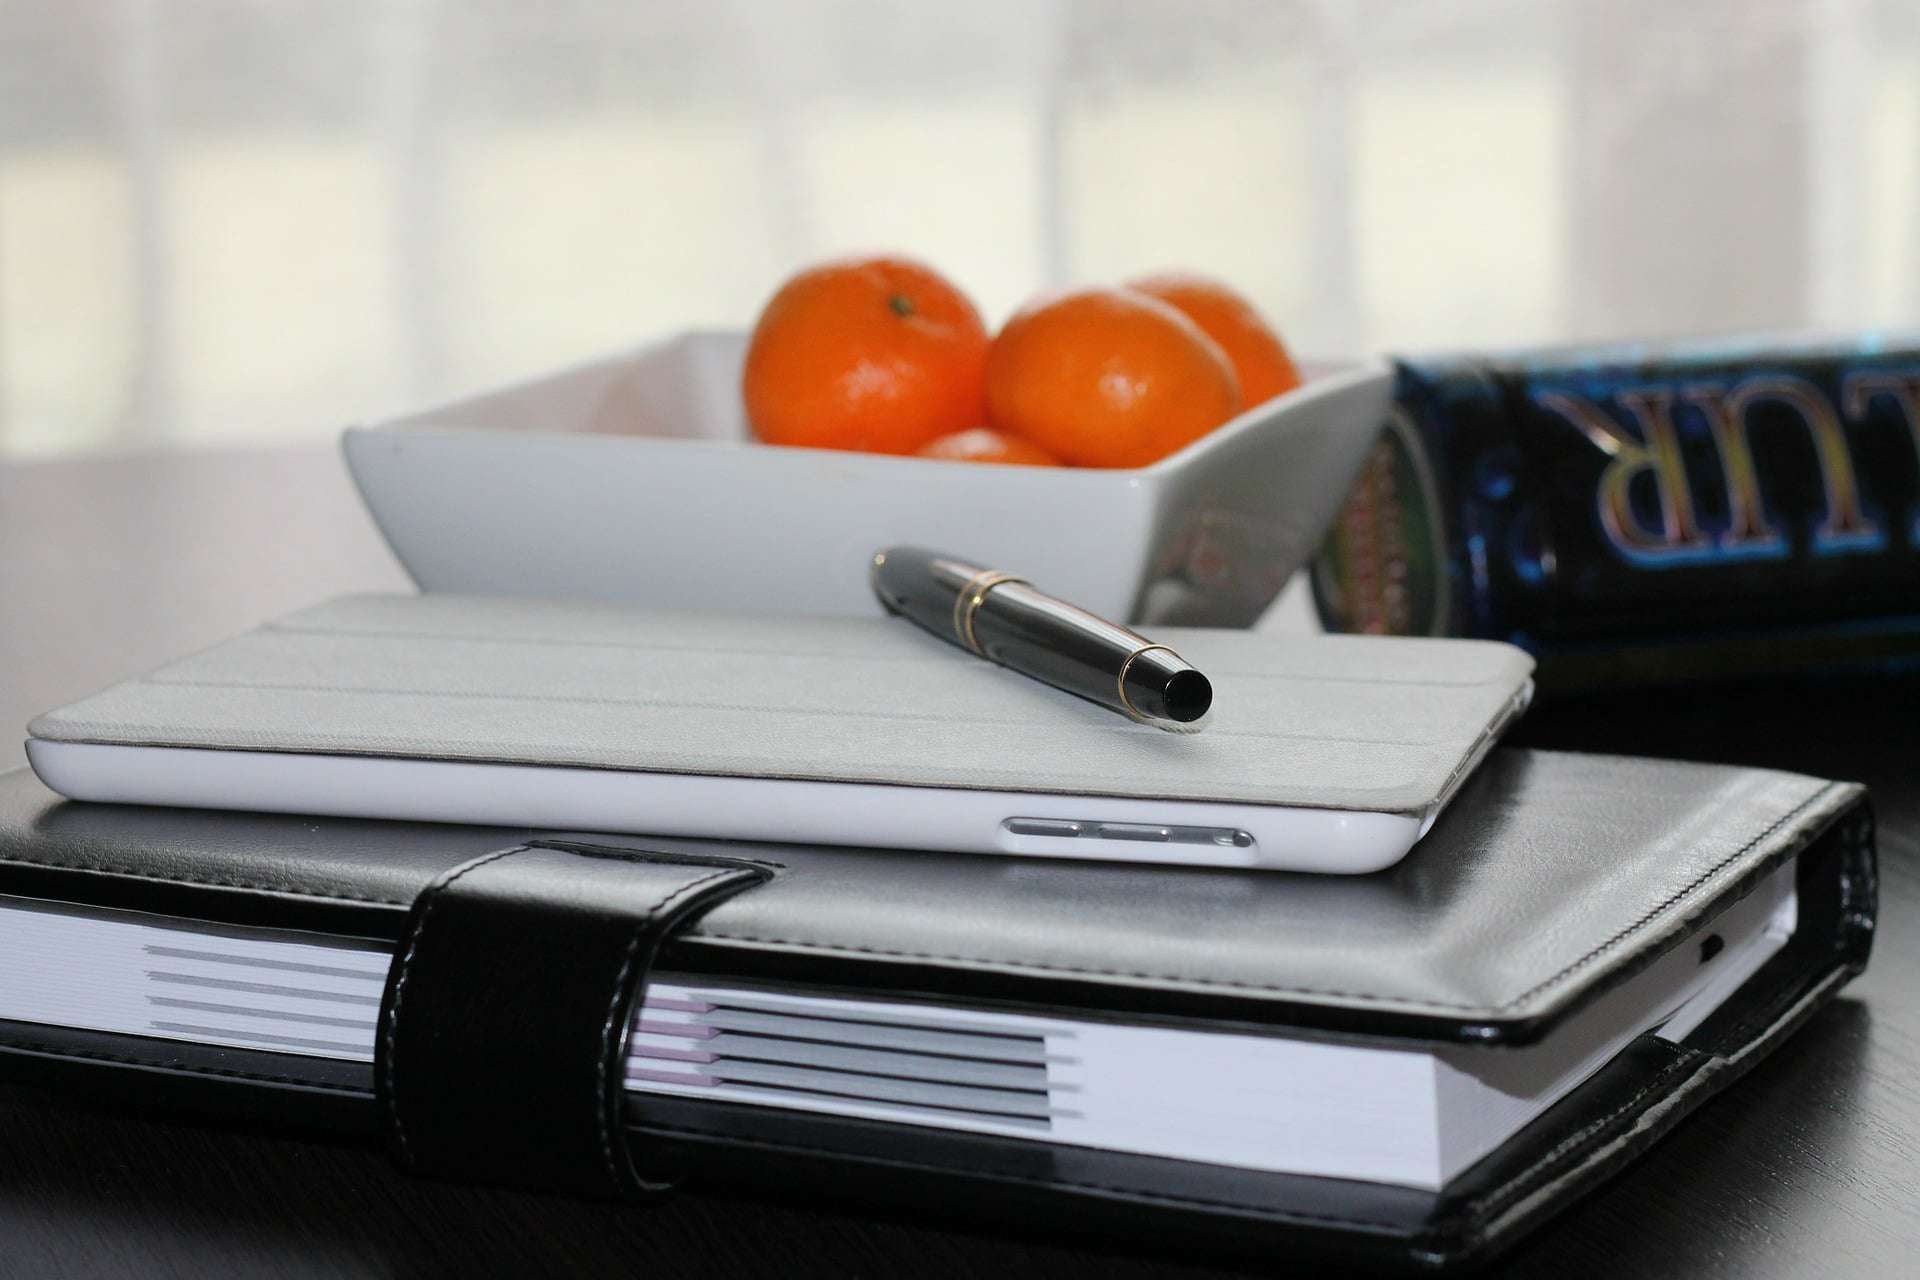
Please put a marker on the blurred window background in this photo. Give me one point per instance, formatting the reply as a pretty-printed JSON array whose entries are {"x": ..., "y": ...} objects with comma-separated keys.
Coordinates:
[{"x": 264, "y": 219}]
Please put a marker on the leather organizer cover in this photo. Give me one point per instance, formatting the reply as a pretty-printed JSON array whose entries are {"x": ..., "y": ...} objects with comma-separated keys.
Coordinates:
[{"x": 518, "y": 956}]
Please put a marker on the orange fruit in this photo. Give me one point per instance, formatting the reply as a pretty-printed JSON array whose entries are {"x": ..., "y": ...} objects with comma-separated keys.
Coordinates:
[
  {"x": 1258, "y": 355},
  {"x": 984, "y": 444},
  {"x": 880, "y": 354},
  {"x": 1107, "y": 378}
]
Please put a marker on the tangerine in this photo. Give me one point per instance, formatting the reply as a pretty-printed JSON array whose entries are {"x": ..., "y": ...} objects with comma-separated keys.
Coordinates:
[
  {"x": 1258, "y": 355},
  {"x": 881, "y": 354},
  {"x": 984, "y": 444},
  {"x": 1107, "y": 378}
]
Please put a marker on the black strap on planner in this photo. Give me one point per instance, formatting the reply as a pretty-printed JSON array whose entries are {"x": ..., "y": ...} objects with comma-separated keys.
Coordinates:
[{"x": 503, "y": 1031}]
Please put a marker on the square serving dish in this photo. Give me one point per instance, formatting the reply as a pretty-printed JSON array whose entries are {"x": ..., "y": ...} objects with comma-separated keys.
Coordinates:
[{"x": 634, "y": 477}]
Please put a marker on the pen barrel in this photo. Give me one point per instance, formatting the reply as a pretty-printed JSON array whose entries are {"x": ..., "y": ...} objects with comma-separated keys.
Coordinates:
[
  {"x": 924, "y": 588},
  {"x": 1074, "y": 650},
  {"x": 1005, "y": 619}
]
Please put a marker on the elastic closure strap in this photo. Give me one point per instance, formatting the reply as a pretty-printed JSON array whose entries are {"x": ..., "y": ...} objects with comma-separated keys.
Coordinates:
[{"x": 503, "y": 1030}]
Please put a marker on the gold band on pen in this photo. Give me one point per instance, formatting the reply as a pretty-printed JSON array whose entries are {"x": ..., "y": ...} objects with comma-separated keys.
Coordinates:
[
  {"x": 968, "y": 603},
  {"x": 1127, "y": 702}
]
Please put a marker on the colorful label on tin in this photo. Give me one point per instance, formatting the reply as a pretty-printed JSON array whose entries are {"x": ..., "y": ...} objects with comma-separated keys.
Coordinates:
[{"x": 1608, "y": 500}]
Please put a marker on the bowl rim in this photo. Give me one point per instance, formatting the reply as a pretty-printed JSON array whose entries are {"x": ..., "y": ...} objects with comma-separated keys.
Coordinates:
[
  {"x": 1338, "y": 381},
  {"x": 1328, "y": 378}
]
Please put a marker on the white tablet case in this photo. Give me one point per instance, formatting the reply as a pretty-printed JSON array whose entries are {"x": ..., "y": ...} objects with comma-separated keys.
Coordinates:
[{"x": 384, "y": 687}]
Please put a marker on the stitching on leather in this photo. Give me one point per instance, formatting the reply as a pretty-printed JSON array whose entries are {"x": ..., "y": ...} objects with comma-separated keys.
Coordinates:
[
  {"x": 602, "y": 1104},
  {"x": 1802, "y": 1002},
  {"x": 1628, "y": 931},
  {"x": 104, "y": 868},
  {"x": 1284, "y": 1215},
  {"x": 62, "y": 1051},
  {"x": 430, "y": 898},
  {"x": 1789, "y": 1015},
  {"x": 1037, "y": 967},
  {"x": 1519, "y": 1184},
  {"x": 1770, "y": 1011}
]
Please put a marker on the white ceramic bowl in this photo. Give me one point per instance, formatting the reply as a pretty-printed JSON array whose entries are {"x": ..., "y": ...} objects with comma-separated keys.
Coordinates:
[{"x": 632, "y": 477}]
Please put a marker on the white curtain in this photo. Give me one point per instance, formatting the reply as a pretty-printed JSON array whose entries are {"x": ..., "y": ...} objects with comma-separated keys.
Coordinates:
[{"x": 269, "y": 218}]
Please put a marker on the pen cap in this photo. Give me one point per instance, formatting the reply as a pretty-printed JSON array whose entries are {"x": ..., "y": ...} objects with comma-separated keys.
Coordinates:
[
  {"x": 1071, "y": 649},
  {"x": 1005, "y": 619},
  {"x": 1159, "y": 685}
]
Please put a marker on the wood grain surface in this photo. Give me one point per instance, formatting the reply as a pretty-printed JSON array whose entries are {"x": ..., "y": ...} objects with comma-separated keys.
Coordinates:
[{"x": 109, "y": 566}]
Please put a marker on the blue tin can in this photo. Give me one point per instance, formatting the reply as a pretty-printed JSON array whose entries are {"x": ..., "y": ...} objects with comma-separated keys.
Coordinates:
[{"x": 1644, "y": 513}]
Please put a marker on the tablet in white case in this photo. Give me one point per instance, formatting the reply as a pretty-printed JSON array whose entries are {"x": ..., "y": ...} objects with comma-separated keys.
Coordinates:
[{"x": 1323, "y": 753}]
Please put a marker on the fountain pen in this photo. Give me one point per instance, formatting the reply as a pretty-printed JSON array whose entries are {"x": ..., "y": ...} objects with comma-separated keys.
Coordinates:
[{"x": 1002, "y": 618}]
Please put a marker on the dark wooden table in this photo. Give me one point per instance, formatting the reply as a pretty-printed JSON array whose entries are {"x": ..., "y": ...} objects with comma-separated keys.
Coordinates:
[{"x": 1810, "y": 1166}]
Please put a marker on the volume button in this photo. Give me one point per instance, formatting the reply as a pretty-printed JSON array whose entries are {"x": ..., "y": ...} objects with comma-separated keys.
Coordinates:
[
  {"x": 1133, "y": 831},
  {"x": 1042, "y": 827}
]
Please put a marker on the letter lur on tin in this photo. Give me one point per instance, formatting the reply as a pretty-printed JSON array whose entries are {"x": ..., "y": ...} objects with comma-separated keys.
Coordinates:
[{"x": 1645, "y": 513}]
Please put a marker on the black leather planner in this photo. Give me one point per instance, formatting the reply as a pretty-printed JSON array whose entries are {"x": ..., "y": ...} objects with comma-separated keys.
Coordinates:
[{"x": 504, "y": 1005}]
